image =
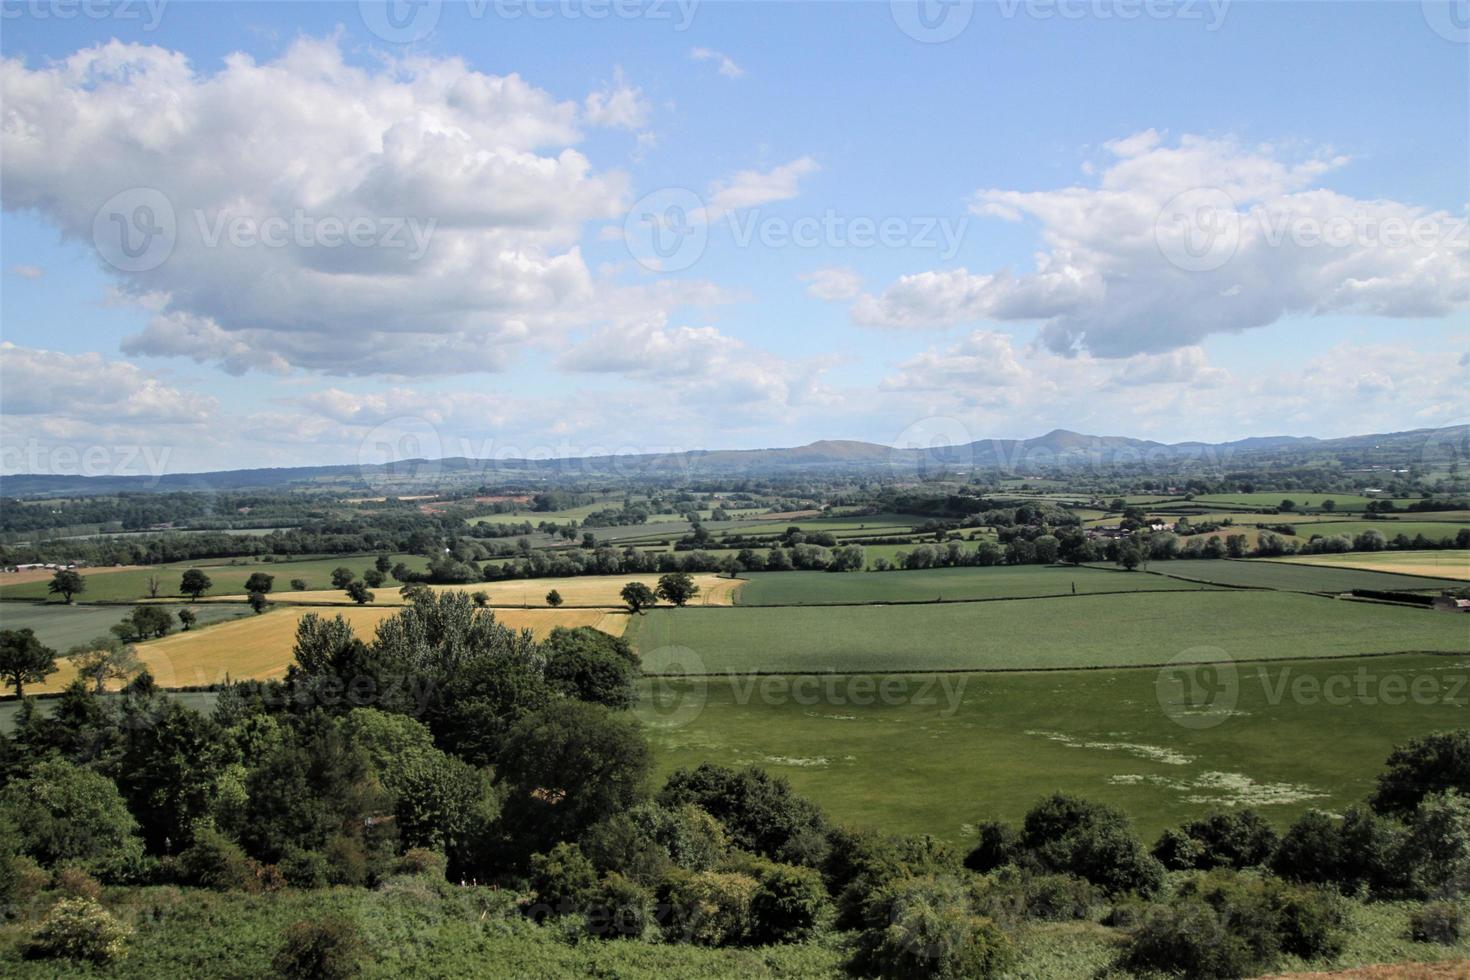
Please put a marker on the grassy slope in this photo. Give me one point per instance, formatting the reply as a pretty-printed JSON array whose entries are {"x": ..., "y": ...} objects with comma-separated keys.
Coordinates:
[
  {"x": 1291, "y": 578},
  {"x": 1077, "y": 631},
  {"x": 939, "y": 753},
  {"x": 800, "y": 588}
]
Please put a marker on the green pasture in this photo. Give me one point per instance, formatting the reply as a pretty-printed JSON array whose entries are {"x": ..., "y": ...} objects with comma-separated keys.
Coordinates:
[
  {"x": 1076, "y": 631},
  {"x": 61, "y": 627},
  {"x": 999, "y": 582},
  {"x": 940, "y": 753},
  {"x": 1267, "y": 574},
  {"x": 228, "y": 575},
  {"x": 1432, "y": 530}
]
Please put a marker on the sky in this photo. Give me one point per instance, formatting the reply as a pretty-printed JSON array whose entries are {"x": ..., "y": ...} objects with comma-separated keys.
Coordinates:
[{"x": 276, "y": 234}]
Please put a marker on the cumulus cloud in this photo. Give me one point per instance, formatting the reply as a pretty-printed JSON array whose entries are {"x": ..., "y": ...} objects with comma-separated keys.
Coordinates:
[
  {"x": 1179, "y": 241},
  {"x": 752, "y": 188},
  {"x": 618, "y": 105},
  {"x": 466, "y": 189},
  {"x": 833, "y": 283},
  {"x": 89, "y": 388},
  {"x": 727, "y": 67}
]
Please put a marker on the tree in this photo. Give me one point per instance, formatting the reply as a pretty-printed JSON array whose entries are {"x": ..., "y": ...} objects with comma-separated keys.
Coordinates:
[
  {"x": 260, "y": 582},
  {"x": 67, "y": 583},
  {"x": 481, "y": 598},
  {"x": 155, "y": 585},
  {"x": 298, "y": 585},
  {"x": 258, "y": 602},
  {"x": 677, "y": 587},
  {"x": 342, "y": 577},
  {"x": 359, "y": 593},
  {"x": 105, "y": 659},
  {"x": 383, "y": 564},
  {"x": 554, "y": 599},
  {"x": 373, "y": 578},
  {"x": 1329, "y": 505},
  {"x": 638, "y": 596},
  {"x": 1129, "y": 556},
  {"x": 63, "y": 812},
  {"x": 1430, "y": 764},
  {"x": 195, "y": 583},
  {"x": 590, "y": 665},
  {"x": 24, "y": 659},
  {"x": 187, "y": 618}
]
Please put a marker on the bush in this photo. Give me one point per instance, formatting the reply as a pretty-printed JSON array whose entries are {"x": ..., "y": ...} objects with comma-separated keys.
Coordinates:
[
  {"x": 1372, "y": 849},
  {"x": 1441, "y": 922},
  {"x": 1432, "y": 764},
  {"x": 1310, "y": 851},
  {"x": 789, "y": 905},
  {"x": 759, "y": 811},
  {"x": 1178, "y": 851},
  {"x": 347, "y": 861},
  {"x": 1092, "y": 841},
  {"x": 79, "y": 929},
  {"x": 329, "y": 948},
  {"x": 708, "y": 908},
  {"x": 1437, "y": 849},
  {"x": 861, "y": 864},
  {"x": 1189, "y": 939},
  {"x": 998, "y": 845},
  {"x": 563, "y": 879},
  {"x": 1058, "y": 898},
  {"x": 216, "y": 861},
  {"x": 619, "y": 907},
  {"x": 76, "y": 883},
  {"x": 421, "y": 861},
  {"x": 305, "y": 869},
  {"x": 924, "y": 927},
  {"x": 1237, "y": 840}
]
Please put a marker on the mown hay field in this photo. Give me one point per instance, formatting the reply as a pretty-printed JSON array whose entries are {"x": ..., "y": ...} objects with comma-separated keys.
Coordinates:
[
  {"x": 1447, "y": 564},
  {"x": 1076, "y": 631},
  {"x": 259, "y": 647}
]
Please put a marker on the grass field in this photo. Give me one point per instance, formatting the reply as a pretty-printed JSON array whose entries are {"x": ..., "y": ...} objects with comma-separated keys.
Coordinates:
[
  {"x": 1441, "y": 564},
  {"x": 1273, "y": 498},
  {"x": 60, "y": 626},
  {"x": 939, "y": 754},
  {"x": 1432, "y": 530},
  {"x": 584, "y": 590},
  {"x": 259, "y": 647},
  {"x": 1268, "y": 574},
  {"x": 815, "y": 588},
  {"x": 1077, "y": 631},
  {"x": 109, "y": 585}
]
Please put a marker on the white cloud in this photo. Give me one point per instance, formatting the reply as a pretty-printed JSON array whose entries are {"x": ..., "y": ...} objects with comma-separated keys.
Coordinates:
[
  {"x": 90, "y": 389},
  {"x": 752, "y": 188},
  {"x": 1106, "y": 282},
  {"x": 485, "y": 163},
  {"x": 727, "y": 67},
  {"x": 833, "y": 283},
  {"x": 618, "y": 105},
  {"x": 28, "y": 271}
]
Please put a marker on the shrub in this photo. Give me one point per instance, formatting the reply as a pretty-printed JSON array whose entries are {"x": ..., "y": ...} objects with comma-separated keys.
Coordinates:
[
  {"x": 329, "y": 948},
  {"x": 789, "y": 905},
  {"x": 998, "y": 845},
  {"x": 563, "y": 879},
  {"x": 708, "y": 908},
  {"x": 1189, "y": 939},
  {"x": 1432, "y": 764},
  {"x": 79, "y": 929},
  {"x": 759, "y": 811},
  {"x": 1310, "y": 851},
  {"x": 1437, "y": 849},
  {"x": 76, "y": 883},
  {"x": 1057, "y": 898},
  {"x": 216, "y": 861},
  {"x": 1441, "y": 922},
  {"x": 1178, "y": 851},
  {"x": 1372, "y": 848},
  {"x": 619, "y": 907},
  {"x": 1241, "y": 839},
  {"x": 871, "y": 861},
  {"x": 924, "y": 927},
  {"x": 305, "y": 869},
  {"x": 62, "y": 812},
  {"x": 421, "y": 861},
  {"x": 347, "y": 861},
  {"x": 1092, "y": 841}
]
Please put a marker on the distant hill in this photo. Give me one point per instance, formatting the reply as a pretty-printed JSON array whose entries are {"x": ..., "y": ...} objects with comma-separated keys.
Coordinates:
[{"x": 1059, "y": 448}]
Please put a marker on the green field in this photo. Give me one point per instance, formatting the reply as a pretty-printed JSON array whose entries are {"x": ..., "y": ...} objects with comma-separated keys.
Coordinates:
[
  {"x": 61, "y": 626},
  {"x": 1077, "y": 631},
  {"x": 1266, "y": 574},
  {"x": 999, "y": 582},
  {"x": 987, "y": 746},
  {"x": 1432, "y": 530},
  {"x": 107, "y": 585}
]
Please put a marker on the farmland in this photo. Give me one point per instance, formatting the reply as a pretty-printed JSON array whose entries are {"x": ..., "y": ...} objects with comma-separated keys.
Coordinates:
[
  {"x": 927, "y": 585},
  {"x": 1441, "y": 564},
  {"x": 1077, "y": 631},
  {"x": 1268, "y": 574},
  {"x": 585, "y": 590},
  {"x": 61, "y": 626},
  {"x": 941, "y": 753}
]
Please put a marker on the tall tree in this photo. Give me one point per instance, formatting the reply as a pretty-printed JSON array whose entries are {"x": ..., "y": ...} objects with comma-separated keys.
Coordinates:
[
  {"x": 24, "y": 659},
  {"x": 677, "y": 587},
  {"x": 259, "y": 582},
  {"x": 195, "y": 583},
  {"x": 638, "y": 596},
  {"x": 67, "y": 583}
]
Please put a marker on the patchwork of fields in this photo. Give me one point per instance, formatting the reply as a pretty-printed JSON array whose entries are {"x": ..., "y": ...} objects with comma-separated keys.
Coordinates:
[
  {"x": 585, "y": 590},
  {"x": 1270, "y": 574},
  {"x": 61, "y": 626},
  {"x": 927, "y": 585},
  {"x": 1441, "y": 564},
  {"x": 1080, "y": 631}
]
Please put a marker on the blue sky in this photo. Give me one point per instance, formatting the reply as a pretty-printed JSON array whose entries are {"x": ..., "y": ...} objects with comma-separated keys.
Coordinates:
[{"x": 1060, "y": 143}]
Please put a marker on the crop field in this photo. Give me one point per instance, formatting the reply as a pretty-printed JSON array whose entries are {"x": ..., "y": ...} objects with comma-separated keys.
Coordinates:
[
  {"x": 1077, "y": 631},
  {"x": 113, "y": 585},
  {"x": 1432, "y": 530},
  {"x": 940, "y": 753},
  {"x": 1441, "y": 564},
  {"x": 1270, "y": 574},
  {"x": 1000, "y": 582},
  {"x": 583, "y": 590},
  {"x": 1302, "y": 499},
  {"x": 61, "y": 627},
  {"x": 259, "y": 647}
]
